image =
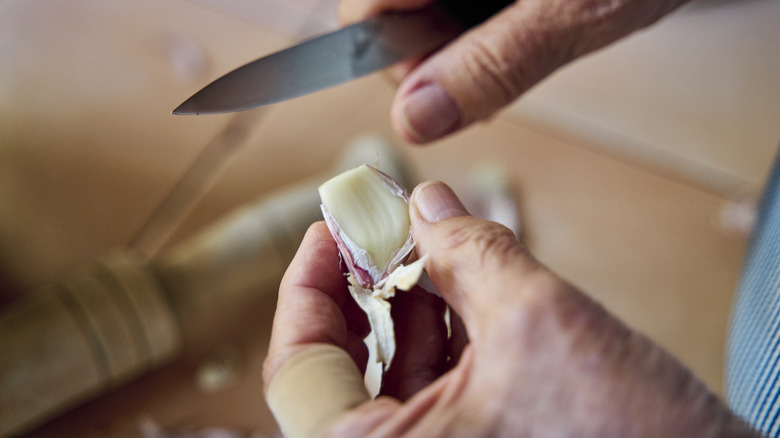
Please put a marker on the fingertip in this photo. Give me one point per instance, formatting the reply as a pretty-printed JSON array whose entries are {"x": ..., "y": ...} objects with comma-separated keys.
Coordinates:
[
  {"x": 317, "y": 238},
  {"x": 426, "y": 113},
  {"x": 433, "y": 201},
  {"x": 401, "y": 125},
  {"x": 316, "y": 263},
  {"x": 318, "y": 232}
]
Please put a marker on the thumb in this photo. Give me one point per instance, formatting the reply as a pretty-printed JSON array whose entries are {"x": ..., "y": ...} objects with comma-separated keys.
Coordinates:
[
  {"x": 474, "y": 76},
  {"x": 478, "y": 266},
  {"x": 493, "y": 64}
]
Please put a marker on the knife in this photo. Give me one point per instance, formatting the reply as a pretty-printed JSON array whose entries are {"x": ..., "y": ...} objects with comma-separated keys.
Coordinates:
[{"x": 340, "y": 56}]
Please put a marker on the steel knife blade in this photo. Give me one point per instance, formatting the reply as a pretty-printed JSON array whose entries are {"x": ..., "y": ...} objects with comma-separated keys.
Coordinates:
[{"x": 340, "y": 56}]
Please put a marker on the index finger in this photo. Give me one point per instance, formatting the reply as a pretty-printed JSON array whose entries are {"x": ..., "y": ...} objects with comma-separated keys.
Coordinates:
[{"x": 314, "y": 306}]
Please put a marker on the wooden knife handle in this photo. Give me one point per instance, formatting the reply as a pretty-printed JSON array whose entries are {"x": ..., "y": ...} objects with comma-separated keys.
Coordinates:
[{"x": 469, "y": 13}]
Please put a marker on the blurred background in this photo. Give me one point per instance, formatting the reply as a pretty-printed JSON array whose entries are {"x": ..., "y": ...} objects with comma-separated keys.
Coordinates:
[{"x": 635, "y": 173}]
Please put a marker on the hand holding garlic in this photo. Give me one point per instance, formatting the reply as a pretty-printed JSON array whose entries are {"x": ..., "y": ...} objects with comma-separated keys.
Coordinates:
[{"x": 543, "y": 358}]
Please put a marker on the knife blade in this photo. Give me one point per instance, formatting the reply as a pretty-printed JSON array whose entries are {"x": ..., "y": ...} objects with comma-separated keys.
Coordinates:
[{"x": 340, "y": 56}]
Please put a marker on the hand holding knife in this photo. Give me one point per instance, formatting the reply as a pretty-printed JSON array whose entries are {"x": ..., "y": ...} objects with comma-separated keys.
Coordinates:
[{"x": 340, "y": 56}]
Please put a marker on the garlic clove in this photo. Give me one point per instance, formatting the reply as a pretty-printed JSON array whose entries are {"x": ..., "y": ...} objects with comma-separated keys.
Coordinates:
[{"x": 367, "y": 214}]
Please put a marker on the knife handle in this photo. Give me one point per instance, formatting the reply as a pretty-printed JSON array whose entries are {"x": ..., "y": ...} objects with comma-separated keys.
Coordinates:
[{"x": 470, "y": 13}]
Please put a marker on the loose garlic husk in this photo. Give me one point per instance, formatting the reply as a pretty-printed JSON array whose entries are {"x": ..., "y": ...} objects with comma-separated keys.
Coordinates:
[{"x": 367, "y": 213}]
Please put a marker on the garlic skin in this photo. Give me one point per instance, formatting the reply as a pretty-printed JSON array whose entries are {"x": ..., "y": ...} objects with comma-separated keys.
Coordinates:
[
  {"x": 374, "y": 303},
  {"x": 367, "y": 214}
]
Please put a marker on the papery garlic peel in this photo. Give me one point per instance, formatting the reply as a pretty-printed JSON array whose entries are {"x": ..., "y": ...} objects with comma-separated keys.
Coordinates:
[{"x": 367, "y": 213}]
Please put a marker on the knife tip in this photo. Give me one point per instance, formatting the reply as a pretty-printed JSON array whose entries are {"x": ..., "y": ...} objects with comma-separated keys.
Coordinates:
[{"x": 182, "y": 111}]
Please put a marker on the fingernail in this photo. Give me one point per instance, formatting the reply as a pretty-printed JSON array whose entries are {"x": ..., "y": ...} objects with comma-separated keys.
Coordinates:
[
  {"x": 429, "y": 113},
  {"x": 435, "y": 201}
]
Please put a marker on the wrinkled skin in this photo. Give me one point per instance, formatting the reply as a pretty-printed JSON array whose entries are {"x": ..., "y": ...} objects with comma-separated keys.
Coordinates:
[
  {"x": 541, "y": 358},
  {"x": 530, "y": 355},
  {"x": 493, "y": 64}
]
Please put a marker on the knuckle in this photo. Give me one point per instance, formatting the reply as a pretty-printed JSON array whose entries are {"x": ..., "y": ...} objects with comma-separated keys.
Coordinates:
[
  {"x": 488, "y": 66},
  {"x": 484, "y": 245},
  {"x": 544, "y": 295}
]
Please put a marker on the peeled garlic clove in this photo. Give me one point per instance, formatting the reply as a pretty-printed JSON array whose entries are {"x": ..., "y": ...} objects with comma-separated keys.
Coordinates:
[{"x": 368, "y": 215}]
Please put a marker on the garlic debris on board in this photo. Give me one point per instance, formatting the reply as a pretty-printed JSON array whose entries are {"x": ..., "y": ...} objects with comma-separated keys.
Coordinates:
[{"x": 367, "y": 213}]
